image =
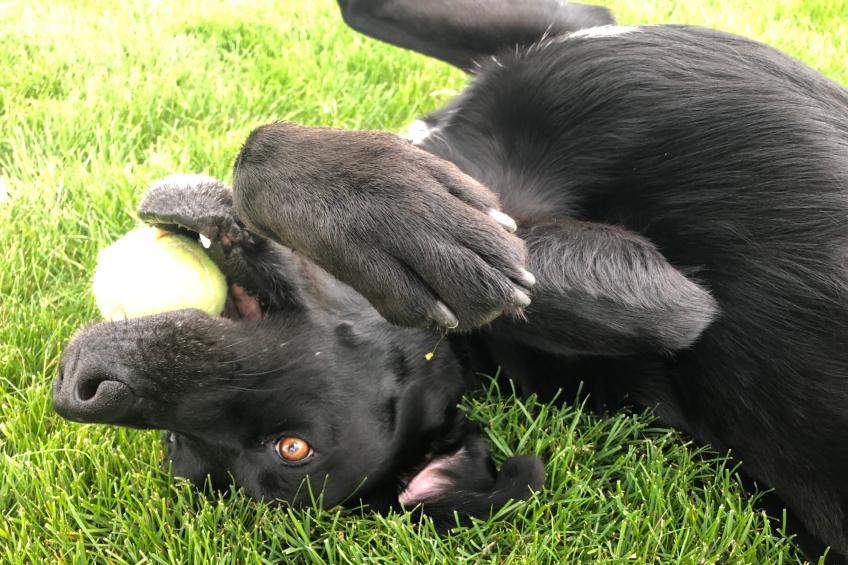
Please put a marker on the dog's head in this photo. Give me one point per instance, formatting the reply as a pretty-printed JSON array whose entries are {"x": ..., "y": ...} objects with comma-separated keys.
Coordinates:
[{"x": 297, "y": 404}]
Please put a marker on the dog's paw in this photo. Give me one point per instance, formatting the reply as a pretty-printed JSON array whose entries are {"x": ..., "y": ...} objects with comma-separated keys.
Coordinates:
[
  {"x": 446, "y": 253},
  {"x": 422, "y": 241},
  {"x": 193, "y": 203}
]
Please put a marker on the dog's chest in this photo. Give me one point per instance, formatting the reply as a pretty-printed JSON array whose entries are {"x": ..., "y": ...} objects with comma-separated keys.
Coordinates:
[{"x": 524, "y": 181}]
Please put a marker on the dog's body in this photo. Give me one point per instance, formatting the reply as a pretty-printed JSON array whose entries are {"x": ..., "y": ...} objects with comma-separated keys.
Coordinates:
[{"x": 681, "y": 197}]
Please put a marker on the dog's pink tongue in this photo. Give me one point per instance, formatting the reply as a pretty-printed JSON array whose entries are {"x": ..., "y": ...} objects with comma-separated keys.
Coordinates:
[{"x": 241, "y": 306}]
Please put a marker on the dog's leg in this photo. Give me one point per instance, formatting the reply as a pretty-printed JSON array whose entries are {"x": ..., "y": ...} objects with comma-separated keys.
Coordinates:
[
  {"x": 422, "y": 241},
  {"x": 605, "y": 290},
  {"x": 461, "y": 32}
]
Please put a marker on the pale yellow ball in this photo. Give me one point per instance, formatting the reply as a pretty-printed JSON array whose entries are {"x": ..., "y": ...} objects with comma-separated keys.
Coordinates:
[{"x": 150, "y": 271}]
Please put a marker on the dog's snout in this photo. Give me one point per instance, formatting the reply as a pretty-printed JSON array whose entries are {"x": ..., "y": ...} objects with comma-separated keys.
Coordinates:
[{"x": 86, "y": 392}]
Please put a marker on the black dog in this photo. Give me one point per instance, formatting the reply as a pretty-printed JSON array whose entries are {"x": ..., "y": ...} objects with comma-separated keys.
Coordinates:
[{"x": 681, "y": 196}]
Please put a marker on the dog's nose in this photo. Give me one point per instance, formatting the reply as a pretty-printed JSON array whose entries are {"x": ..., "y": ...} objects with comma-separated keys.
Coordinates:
[{"x": 86, "y": 392}]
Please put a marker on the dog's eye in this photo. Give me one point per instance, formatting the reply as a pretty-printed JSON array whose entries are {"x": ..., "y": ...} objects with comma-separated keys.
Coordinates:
[{"x": 293, "y": 449}]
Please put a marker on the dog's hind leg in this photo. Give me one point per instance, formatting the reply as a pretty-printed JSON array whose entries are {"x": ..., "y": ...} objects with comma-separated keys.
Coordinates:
[{"x": 461, "y": 32}]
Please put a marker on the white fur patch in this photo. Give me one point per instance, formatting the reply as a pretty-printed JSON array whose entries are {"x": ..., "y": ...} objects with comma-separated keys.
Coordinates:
[
  {"x": 418, "y": 131},
  {"x": 603, "y": 31}
]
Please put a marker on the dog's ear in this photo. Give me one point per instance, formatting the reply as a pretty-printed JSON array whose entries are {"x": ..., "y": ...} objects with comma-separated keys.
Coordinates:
[{"x": 465, "y": 484}]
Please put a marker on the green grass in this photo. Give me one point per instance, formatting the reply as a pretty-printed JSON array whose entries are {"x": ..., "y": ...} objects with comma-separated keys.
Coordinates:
[{"x": 98, "y": 99}]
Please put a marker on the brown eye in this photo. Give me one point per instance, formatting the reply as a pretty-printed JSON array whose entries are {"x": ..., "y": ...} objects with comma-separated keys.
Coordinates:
[{"x": 293, "y": 449}]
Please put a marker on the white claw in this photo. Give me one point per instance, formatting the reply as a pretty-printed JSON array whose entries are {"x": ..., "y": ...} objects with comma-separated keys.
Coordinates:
[
  {"x": 528, "y": 278},
  {"x": 446, "y": 317},
  {"x": 521, "y": 298},
  {"x": 205, "y": 241},
  {"x": 504, "y": 220}
]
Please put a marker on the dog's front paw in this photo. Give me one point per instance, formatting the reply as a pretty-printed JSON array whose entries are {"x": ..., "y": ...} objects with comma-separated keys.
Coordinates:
[
  {"x": 422, "y": 241},
  {"x": 444, "y": 251},
  {"x": 193, "y": 203}
]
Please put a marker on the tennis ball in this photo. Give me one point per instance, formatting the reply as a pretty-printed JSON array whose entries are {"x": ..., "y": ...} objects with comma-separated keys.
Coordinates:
[{"x": 150, "y": 271}]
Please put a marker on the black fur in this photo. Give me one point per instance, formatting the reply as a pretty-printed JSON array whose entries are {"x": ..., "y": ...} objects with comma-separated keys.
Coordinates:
[{"x": 681, "y": 196}]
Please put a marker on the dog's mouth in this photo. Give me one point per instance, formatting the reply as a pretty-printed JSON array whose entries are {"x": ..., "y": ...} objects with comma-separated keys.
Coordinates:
[{"x": 241, "y": 305}]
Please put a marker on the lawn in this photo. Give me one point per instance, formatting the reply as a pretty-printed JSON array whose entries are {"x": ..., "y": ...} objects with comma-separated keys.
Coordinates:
[{"x": 97, "y": 99}]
